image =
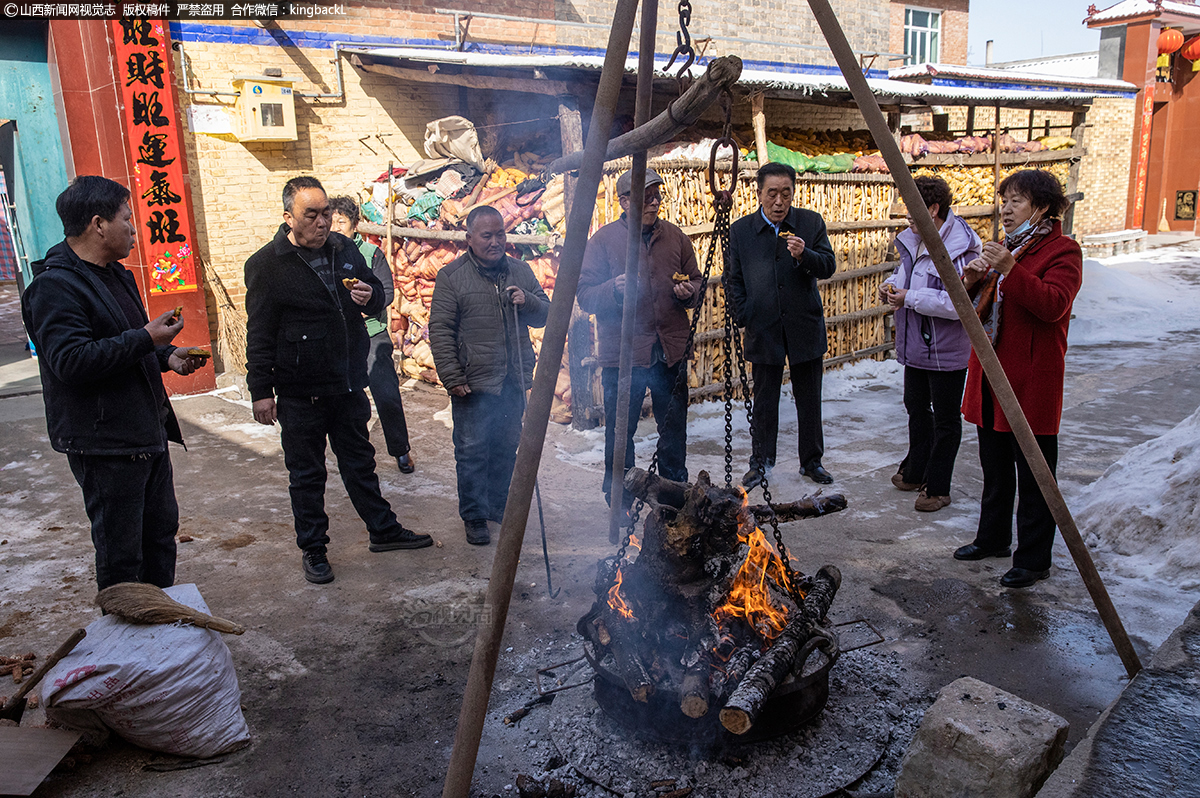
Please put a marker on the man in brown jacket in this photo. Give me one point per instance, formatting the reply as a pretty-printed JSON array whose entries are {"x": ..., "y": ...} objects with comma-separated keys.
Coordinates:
[{"x": 661, "y": 333}]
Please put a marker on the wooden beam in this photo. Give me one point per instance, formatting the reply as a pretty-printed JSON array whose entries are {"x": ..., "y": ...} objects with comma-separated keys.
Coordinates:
[
  {"x": 996, "y": 177},
  {"x": 760, "y": 126},
  {"x": 685, "y": 111},
  {"x": 485, "y": 82}
]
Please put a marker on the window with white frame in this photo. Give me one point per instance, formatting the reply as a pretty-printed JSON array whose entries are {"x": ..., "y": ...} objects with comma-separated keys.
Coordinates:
[{"x": 921, "y": 34}]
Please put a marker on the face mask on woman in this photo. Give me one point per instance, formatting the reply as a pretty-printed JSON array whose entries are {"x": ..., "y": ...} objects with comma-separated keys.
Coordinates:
[{"x": 1024, "y": 226}]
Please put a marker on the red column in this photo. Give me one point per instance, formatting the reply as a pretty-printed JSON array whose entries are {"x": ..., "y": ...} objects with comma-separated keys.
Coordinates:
[{"x": 97, "y": 139}]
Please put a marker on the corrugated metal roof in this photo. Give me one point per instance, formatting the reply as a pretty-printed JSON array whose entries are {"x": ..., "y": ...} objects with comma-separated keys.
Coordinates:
[
  {"x": 805, "y": 84},
  {"x": 1008, "y": 76},
  {"x": 1138, "y": 8}
]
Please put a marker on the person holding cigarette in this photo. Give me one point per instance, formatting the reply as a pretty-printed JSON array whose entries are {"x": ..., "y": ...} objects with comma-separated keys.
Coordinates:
[
  {"x": 485, "y": 360},
  {"x": 776, "y": 257}
]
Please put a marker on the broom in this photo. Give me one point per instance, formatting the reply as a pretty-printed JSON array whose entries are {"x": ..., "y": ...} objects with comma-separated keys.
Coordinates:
[
  {"x": 231, "y": 323},
  {"x": 141, "y": 603}
]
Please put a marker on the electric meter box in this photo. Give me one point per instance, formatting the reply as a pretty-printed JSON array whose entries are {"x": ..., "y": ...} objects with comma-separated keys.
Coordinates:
[{"x": 265, "y": 109}]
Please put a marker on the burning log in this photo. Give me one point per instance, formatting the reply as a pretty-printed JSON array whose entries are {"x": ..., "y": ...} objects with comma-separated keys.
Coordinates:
[
  {"x": 630, "y": 667},
  {"x": 760, "y": 681},
  {"x": 808, "y": 507},
  {"x": 694, "y": 689}
]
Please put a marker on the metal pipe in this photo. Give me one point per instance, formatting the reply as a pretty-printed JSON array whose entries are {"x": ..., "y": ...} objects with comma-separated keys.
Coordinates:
[
  {"x": 633, "y": 252},
  {"x": 533, "y": 432},
  {"x": 997, "y": 379},
  {"x": 187, "y": 87},
  {"x": 341, "y": 86}
]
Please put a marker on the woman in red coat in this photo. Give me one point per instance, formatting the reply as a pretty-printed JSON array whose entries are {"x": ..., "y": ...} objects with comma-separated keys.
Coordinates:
[{"x": 1023, "y": 291}]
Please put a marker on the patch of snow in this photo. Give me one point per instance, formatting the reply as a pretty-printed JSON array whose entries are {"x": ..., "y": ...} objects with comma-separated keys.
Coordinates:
[
  {"x": 1128, "y": 299},
  {"x": 1146, "y": 506}
]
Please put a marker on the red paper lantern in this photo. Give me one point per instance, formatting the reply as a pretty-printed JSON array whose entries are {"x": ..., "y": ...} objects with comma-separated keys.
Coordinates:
[
  {"x": 1169, "y": 41},
  {"x": 1191, "y": 50}
]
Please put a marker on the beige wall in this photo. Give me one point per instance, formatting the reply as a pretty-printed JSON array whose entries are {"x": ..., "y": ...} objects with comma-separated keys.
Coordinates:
[
  {"x": 1104, "y": 173},
  {"x": 237, "y": 186}
]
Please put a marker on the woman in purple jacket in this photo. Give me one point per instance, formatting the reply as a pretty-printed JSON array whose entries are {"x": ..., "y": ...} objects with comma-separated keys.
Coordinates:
[{"x": 932, "y": 346}]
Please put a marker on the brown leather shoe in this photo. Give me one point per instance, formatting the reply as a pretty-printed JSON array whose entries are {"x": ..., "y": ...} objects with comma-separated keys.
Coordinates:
[
  {"x": 898, "y": 481},
  {"x": 930, "y": 504}
]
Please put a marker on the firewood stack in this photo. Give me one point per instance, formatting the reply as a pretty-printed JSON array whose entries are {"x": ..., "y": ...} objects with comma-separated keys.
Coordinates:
[{"x": 700, "y": 624}]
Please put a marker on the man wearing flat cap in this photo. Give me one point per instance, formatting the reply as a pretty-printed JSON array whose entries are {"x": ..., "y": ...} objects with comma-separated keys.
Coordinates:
[{"x": 668, "y": 284}]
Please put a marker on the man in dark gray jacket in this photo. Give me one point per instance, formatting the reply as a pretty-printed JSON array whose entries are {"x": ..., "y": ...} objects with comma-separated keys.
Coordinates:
[
  {"x": 777, "y": 254},
  {"x": 101, "y": 360},
  {"x": 483, "y": 306}
]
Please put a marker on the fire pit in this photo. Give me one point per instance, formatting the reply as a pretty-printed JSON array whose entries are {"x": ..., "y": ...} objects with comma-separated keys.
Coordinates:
[{"x": 698, "y": 640}]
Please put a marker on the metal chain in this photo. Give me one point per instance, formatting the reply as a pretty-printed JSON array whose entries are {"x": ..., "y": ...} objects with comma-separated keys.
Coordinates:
[
  {"x": 683, "y": 40},
  {"x": 793, "y": 584}
]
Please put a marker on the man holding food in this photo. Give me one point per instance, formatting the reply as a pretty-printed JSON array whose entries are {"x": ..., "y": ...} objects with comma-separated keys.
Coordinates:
[
  {"x": 776, "y": 257},
  {"x": 306, "y": 366},
  {"x": 484, "y": 303},
  {"x": 668, "y": 284},
  {"x": 101, "y": 360}
]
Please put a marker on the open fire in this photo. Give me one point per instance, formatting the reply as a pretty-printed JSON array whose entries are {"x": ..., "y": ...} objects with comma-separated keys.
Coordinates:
[{"x": 700, "y": 627}]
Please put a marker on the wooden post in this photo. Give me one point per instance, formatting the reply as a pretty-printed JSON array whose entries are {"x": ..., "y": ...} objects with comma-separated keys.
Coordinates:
[
  {"x": 637, "y": 198},
  {"x": 997, "y": 379},
  {"x": 579, "y": 337},
  {"x": 996, "y": 178},
  {"x": 757, "y": 101},
  {"x": 1029, "y": 132},
  {"x": 1079, "y": 133},
  {"x": 391, "y": 209},
  {"x": 970, "y": 120},
  {"x": 461, "y": 767}
]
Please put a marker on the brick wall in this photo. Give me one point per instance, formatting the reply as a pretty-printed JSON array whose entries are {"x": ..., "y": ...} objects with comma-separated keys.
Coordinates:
[
  {"x": 1104, "y": 173},
  {"x": 237, "y": 186},
  {"x": 865, "y": 22},
  {"x": 953, "y": 38}
]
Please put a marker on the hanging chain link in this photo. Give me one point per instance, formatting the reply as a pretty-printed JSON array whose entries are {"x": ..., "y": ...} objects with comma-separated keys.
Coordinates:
[{"x": 683, "y": 42}]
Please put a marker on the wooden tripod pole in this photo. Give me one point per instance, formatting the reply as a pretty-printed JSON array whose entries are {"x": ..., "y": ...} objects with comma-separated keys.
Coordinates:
[
  {"x": 997, "y": 379},
  {"x": 633, "y": 252},
  {"x": 537, "y": 415}
]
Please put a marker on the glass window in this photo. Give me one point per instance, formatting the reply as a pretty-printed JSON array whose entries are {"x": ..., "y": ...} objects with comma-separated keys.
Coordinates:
[{"x": 921, "y": 36}]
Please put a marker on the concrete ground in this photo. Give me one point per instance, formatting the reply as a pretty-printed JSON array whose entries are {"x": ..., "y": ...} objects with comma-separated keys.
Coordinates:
[{"x": 354, "y": 687}]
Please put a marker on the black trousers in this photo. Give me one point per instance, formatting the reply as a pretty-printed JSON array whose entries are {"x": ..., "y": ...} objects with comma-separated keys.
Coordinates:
[
  {"x": 130, "y": 501},
  {"x": 670, "y": 414},
  {"x": 806, "y": 389},
  {"x": 933, "y": 400},
  {"x": 385, "y": 390},
  {"x": 1007, "y": 475},
  {"x": 305, "y": 423},
  {"x": 487, "y": 431}
]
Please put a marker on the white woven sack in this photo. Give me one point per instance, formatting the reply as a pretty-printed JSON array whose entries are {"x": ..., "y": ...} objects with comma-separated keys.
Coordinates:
[{"x": 168, "y": 688}]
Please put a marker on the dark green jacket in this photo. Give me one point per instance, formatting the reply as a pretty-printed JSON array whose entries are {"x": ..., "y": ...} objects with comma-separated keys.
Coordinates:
[{"x": 468, "y": 321}]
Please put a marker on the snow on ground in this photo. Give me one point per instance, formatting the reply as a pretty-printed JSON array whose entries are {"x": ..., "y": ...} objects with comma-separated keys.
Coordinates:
[
  {"x": 1137, "y": 298},
  {"x": 1146, "y": 507}
]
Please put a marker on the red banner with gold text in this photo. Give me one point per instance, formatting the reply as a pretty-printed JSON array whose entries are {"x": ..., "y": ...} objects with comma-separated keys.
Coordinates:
[{"x": 164, "y": 227}]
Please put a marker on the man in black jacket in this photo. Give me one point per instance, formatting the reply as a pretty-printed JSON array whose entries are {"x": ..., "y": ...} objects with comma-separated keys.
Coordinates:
[
  {"x": 101, "y": 360},
  {"x": 483, "y": 306},
  {"x": 306, "y": 365},
  {"x": 776, "y": 257}
]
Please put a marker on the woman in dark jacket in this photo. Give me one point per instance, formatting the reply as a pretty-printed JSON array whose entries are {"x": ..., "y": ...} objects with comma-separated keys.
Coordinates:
[
  {"x": 932, "y": 346},
  {"x": 1023, "y": 290}
]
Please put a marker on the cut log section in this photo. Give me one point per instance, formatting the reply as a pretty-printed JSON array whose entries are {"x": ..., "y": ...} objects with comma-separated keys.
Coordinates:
[
  {"x": 695, "y": 689},
  {"x": 629, "y": 662},
  {"x": 751, "y": 694},
  {"x": 808, "y": 507}
]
